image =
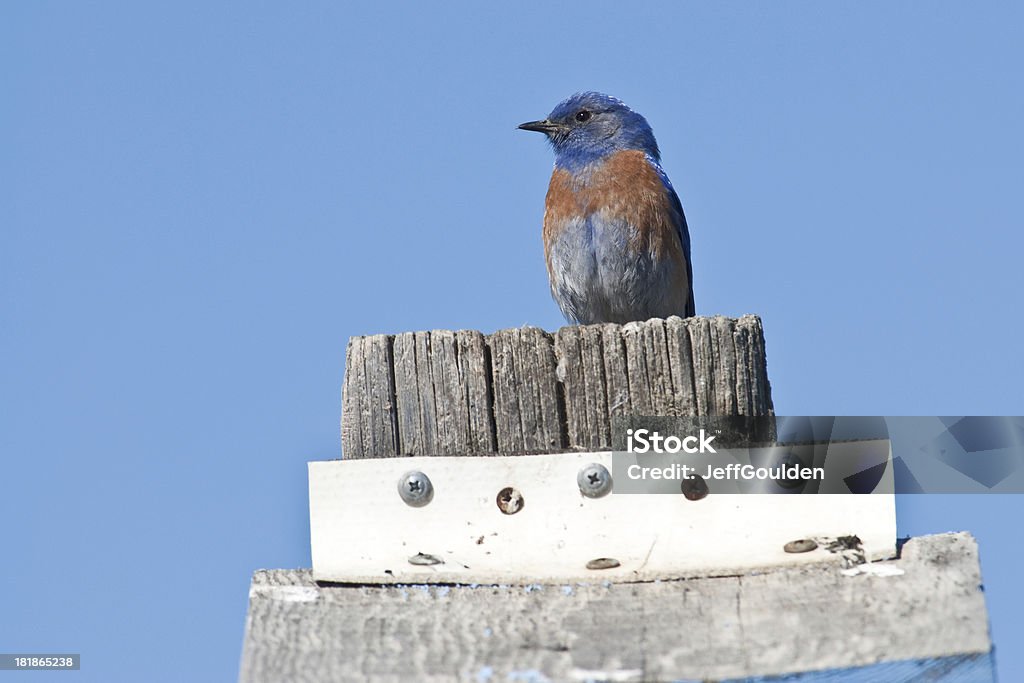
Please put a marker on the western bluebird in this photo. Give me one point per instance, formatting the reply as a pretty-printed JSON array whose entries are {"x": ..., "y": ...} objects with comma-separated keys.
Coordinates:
[{"x": 615, "y": 237}]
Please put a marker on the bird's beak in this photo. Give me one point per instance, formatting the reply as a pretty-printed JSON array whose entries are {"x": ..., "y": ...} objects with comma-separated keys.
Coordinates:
[{"x": 545, "y": 126}]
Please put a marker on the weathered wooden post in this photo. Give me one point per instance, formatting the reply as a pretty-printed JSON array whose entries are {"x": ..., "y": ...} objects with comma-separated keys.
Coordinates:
[
  {"x": 428, "y": 565},
  {"x": 526, "y": 391}
]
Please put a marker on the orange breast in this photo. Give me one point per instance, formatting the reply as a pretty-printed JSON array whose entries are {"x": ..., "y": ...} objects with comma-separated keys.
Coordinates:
[{"x": 626, "y": 188}]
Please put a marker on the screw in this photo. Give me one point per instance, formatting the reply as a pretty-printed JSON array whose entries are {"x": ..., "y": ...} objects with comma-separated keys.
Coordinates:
[
  {"x": 425, "y": 560},
  {"x": 594, "y": 481},
  {"x": 790, "y": 460},
  {"x": 694, "y": 487},
  {"x": 415, "y": 488},
  {"x": 803, "y": 545},
  {"x": 603, "y": 563}
]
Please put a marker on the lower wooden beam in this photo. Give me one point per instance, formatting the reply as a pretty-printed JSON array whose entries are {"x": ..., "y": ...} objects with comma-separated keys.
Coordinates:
[{"x": 923, "y": 613}]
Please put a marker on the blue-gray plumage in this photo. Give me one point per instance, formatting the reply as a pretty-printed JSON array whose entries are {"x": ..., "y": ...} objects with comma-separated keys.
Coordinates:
[{"x": 615, "y": 237}]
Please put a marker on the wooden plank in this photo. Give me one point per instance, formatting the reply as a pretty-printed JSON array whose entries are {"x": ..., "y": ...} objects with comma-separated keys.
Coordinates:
[
  {"x": 744, "y": 368},
  {"x": 921, "y": 614},
  {"x": 476, "y": 542},
  {"x": 703, "y": 364},
  {"x": 638, "y": 371},
  {"x": 680, "y": 354},
  {"x": 758, "y": 366},
  {"x": 415, "y": 407},
  {"x": 648, "y": 366},
  {"x": 617, "y": 381},
  {"x": 527, "y": 411},
  {"x": 724, "y": 362},
  {"x": 442, "y": 393},
  {"x": 369, "y": 420},
  {"x": 475, "y": 388},
  {"x": 524, "y": 390},
  {"x": 581, "y": 372}
]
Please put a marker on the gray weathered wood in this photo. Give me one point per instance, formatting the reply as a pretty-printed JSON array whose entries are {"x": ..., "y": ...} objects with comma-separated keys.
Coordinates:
[
  {"x": 369, "y": 425},
  {"x": 723, "y": 349},
  {"x": 616, "y": 379},
  {"x": 581, "y": 372},
  {"x": 656, "y": 368},
  {"x": 924, "y": 612},
  {"x": 442, "y": 393},
  {"x": 474, "y": 366},
  {"x": 703, "y": 364},
  {"x": 524, "y": 390},
  {"x": 745, "y": 394},
  {"x": 527, "y": 410},
  {"x": 680, "y": 348},
  {"x": 757, "y": 368}
]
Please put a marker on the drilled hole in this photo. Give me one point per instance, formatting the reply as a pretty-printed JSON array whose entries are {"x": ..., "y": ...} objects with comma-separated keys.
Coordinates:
[{"x": 510, "y": 501}]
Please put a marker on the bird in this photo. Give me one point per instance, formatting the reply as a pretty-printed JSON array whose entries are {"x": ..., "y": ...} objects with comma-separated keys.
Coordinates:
[{"x": 616, "y": 242}]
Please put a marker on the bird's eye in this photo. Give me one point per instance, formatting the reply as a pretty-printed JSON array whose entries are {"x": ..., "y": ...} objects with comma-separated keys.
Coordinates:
[{"x": 582, "y": 115}]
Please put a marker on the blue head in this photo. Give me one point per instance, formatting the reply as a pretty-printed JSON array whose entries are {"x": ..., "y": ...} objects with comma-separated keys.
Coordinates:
[{"x": 589, "y": 126}]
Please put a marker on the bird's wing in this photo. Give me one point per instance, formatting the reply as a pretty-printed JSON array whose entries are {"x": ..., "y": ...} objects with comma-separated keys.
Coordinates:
[{"x": 683, "y": 231}]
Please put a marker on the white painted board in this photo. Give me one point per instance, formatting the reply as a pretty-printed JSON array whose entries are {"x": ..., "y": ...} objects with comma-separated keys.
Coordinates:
[{"x": 363, "y": 532}]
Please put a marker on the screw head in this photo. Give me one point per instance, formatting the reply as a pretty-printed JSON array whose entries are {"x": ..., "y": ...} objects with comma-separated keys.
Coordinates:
[
  {"x": 694, "y": 487},
  {"x": 594, "y": 480},
  {"x": 790, "y": 459},
  {"x": 603, "y": 563},
  {"x": 425, "y": 560},
  {"x": 802, "y": 545},
  {"x": 415, "y": 488}
]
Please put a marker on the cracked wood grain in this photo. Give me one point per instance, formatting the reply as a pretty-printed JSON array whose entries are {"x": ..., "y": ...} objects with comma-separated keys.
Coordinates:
[
  {"x": 525, "y": 390},
  {"x": 864, "y": 626}
]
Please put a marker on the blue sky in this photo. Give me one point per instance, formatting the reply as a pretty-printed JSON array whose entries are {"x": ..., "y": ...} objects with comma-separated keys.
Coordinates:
[{"x": 201, "y": 202}]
